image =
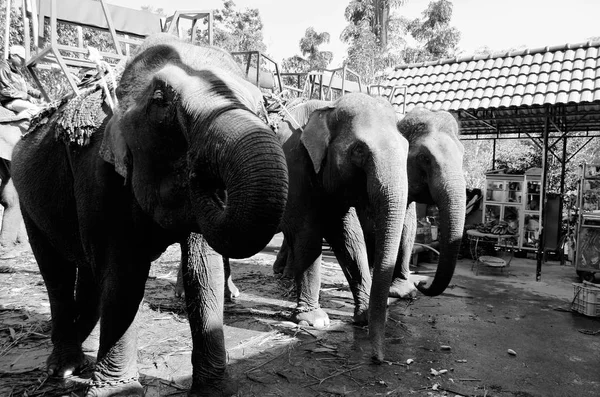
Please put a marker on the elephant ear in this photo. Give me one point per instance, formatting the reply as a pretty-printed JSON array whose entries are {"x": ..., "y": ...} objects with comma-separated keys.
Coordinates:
[
  {"x": 114, "y": 149},
  {"x": 316, "y": 137}
]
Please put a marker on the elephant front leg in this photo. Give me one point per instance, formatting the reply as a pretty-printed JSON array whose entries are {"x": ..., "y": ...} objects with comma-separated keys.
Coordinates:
[
  {"x": 282, "y": 265},
  {"x": 203, "y": 279},
  {"x": 231, "y": 291},
  {"x": 122, "y": 291},
  {"x": 305, "y": 256},
  {"x": 348, "y": 243},
  {"x": 401, "y": 286}
]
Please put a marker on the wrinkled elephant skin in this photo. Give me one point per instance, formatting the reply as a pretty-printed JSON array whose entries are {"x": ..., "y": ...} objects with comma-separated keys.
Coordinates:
[
  {"x": 344, "y": 158},
  {"x": 182, "y": 158},
  {"x": 435, "y": 176}
]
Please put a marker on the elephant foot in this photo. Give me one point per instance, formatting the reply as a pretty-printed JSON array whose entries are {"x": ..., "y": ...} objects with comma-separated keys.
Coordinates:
[
  {"x": 403, "y": 289},
  {"x": 65, "y": 361},
  {"x": 231, "y": 291},
  {"x": 117, "y": 388},
  {"x": 315, "y": 317},
  {"x": 361, "y": 315}
]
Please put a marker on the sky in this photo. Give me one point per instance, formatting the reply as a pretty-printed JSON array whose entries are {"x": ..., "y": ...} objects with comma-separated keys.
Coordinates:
[{"x": 498, "y": 24}]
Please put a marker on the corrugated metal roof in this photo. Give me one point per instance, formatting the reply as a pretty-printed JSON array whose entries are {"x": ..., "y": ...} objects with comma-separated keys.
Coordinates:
[{"x": 565, "y": 74}]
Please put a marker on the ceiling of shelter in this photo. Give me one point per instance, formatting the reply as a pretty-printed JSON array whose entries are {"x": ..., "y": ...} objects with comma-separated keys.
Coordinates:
[{"x": 509, "y": 93}]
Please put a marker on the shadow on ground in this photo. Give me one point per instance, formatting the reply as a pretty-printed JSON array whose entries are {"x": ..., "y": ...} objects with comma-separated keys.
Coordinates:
[{"x": 457, "y": 344}]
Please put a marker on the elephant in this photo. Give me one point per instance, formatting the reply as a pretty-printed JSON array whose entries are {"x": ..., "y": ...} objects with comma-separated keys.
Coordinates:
[
  {"x": 13, "y": 233},
  {"x": 344, "y": 158},
  {"x": 184, "y": 156},
  {"x": 435, "y": 176}
]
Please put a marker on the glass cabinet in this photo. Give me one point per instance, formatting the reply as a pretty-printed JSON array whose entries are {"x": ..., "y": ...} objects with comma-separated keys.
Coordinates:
[
  {"x": 587, "y": 253},
  {"x": 515, "y": 200}
]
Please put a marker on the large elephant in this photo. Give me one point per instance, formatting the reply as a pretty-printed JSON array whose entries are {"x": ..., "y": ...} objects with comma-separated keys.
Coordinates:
[
  {"x": 184, "y": 158},
  {"x": 435, "y": 176},
  {"x": 13, "y": 232},
  {"x": 344, "y": 157}
]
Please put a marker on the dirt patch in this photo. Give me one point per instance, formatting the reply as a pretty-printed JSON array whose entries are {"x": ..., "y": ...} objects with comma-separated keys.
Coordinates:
[{"x": 479, "y": 318}]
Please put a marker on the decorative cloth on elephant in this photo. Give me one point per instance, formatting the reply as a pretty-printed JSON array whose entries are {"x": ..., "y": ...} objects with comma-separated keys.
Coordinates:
[
  {"x": 278, "y": 110},
  {"x": 81, "y": 115}
]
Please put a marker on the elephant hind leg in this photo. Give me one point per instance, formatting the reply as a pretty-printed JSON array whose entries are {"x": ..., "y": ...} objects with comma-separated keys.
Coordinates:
[
  {"x": 87, "y": 299},
  {"x": 305, "y": 256},
  {"x": 59, "y": 276},
  {"x": 401, "y": 286}
]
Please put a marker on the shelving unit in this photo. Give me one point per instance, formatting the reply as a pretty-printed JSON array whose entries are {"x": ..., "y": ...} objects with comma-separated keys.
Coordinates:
[
  {"x": 515, "y": 199},
  {"x": 587, "y": 253}
]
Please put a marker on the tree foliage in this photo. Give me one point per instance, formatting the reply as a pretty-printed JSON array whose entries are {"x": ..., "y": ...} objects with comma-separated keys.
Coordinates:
[
  {"x": 379, "y": 38},
  {"x": 309, "y": 46},
  {"x": 237, "y": 30},
  {"x": 376, "y": 14},
  {"x": 312, "y": 57}
]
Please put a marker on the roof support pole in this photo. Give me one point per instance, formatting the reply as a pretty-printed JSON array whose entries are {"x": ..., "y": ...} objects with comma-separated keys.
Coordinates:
[
  {"x": 563, "y": 167},
  {"x": 494, "y": 153},
  {"x": 541, "y": 253}
]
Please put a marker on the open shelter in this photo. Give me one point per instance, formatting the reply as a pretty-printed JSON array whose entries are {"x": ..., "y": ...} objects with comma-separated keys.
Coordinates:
[{"x": 546, "y": 94}]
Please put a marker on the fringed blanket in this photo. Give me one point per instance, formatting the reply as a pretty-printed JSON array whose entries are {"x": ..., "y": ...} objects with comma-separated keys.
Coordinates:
[
  {"x": 278, "y": 110},
  {"x": 81, "y": 116},
  {"x": 78, "y": 117}
]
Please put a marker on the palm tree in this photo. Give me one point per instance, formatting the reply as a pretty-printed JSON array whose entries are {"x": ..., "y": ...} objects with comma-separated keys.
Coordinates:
[{"x": 309, "y": 45}]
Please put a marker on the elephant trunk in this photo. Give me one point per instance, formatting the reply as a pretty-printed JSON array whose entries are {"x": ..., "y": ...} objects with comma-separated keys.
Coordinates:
[
  {"x": 450, "y": 199},
  {"x": 238, "y": 183},
  {"x": 387, "y": 198}
]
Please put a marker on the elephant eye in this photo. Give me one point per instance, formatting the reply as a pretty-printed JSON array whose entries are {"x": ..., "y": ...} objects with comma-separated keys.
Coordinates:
[{"x": 158, "y": 95}]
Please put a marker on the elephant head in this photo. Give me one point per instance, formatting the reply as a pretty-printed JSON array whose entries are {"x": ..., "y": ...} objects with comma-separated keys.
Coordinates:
[
  {"x": 435, "y": 176},
  {"x": 187, "y": 138},
  {"x": 360, "y": 160}
]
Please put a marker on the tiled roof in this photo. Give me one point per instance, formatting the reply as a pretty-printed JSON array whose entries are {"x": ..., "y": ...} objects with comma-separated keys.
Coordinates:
[{"x": 549, "y": 75}]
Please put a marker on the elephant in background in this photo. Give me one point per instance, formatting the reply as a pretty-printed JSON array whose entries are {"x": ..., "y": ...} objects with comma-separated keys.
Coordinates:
[
  {"x": 344, "y": 158},
  {"x": 184, "y": 157},
  {"x": 435, "y": 176},
  {"x": 12, "y": 234}
]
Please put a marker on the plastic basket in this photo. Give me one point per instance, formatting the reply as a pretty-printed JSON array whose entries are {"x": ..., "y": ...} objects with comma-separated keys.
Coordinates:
[{"x": 586, "y": 300}]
